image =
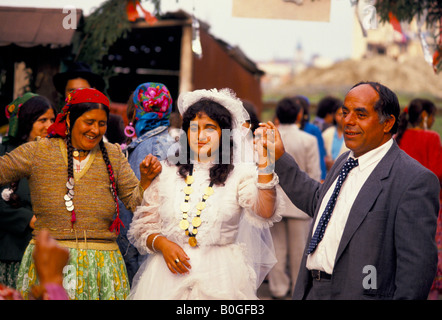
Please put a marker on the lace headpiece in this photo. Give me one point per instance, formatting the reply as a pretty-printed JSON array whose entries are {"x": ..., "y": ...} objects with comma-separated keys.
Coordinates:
[{"x": 225, "y": 97}]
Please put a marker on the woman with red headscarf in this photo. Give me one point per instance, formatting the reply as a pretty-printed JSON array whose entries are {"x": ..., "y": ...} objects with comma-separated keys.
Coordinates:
[{"x": 75, "y": 179}]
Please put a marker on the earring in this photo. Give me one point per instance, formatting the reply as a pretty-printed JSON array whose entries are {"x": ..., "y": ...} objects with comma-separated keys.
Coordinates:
[{"x": 129, "y": 130}]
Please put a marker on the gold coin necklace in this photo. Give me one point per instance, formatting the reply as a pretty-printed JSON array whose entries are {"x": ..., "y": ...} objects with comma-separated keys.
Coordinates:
[{"x": 185, "y": 207}]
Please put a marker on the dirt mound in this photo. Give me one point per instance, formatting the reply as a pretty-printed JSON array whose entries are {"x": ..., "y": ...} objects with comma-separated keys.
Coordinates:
[{"x": 409, "y": 75}]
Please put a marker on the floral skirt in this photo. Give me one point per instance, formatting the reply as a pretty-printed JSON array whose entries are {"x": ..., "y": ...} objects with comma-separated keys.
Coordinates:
[{"x": 89, "y": 275}]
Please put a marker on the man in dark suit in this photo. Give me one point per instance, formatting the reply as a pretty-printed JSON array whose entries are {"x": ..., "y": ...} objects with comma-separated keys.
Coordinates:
[{"x": 376, "y": 239}]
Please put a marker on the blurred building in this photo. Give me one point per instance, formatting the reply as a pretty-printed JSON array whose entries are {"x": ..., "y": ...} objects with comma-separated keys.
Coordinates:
[
  {"x": 33, "y": 42},
  {"x": 180, "y": 52},
  {"x": 177, "y": 50}
]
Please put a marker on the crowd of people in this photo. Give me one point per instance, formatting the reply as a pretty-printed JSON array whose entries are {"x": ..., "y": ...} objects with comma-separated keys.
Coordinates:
[{"x": 202, "y": 201}]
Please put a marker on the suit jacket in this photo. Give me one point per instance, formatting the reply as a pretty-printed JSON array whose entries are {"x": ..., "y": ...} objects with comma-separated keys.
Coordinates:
[{"x": 390, "y": 229}]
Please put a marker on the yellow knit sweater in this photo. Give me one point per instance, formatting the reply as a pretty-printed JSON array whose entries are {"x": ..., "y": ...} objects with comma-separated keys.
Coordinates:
[{"x": 44, "y": 163}]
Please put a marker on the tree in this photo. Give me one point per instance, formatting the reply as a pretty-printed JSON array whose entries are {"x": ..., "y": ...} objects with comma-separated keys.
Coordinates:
[
  {"x": 407, "y": 10},
  {"x": 108, "y": 23}
]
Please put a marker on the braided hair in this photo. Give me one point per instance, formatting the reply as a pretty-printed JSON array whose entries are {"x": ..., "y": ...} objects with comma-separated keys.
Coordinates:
[{"x": 75, "y": 111}]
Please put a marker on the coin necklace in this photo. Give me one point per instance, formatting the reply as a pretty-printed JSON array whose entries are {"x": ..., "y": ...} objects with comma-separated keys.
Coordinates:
[
  {"x": 185, "y": 207},
  {"x": 68, "y": 197},
  {"x": 80, "y": 153}
]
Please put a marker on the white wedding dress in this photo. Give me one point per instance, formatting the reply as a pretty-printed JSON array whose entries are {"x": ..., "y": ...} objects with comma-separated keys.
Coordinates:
[{"x": 234, "y": 251}]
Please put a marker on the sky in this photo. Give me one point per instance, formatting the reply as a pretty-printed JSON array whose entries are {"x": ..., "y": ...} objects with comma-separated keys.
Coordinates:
[{"x": 260, "y": 39}]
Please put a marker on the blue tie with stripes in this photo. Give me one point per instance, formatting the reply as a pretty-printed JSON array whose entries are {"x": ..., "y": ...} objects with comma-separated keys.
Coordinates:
[{"x": 323, "y": 221}]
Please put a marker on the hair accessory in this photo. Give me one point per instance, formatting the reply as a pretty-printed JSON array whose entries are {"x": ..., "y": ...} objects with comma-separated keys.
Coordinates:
[
  {"x": 12, "y": 113},
  {"x": 117, "y": 223},
  {"x": 129, "y": 130},
  {"x": 226, "y": 97}
]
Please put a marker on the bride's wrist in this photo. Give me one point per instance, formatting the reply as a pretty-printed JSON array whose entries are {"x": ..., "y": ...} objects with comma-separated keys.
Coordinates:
[{"x": 155, "y": 242}]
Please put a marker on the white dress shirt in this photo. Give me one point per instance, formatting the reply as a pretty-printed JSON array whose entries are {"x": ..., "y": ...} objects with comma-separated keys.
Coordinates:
[{"x": 323, "y": 258}]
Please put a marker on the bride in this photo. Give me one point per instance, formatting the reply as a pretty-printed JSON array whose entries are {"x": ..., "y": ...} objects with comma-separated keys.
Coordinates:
[{"x": 205, "y": 219}]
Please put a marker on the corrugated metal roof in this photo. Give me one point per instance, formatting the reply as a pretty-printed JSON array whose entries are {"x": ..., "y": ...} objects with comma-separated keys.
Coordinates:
[{"x": 29, "y": 27}]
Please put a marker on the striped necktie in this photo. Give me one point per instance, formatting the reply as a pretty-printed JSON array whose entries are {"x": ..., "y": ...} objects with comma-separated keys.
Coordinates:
[{"x": 325, "y": 218}]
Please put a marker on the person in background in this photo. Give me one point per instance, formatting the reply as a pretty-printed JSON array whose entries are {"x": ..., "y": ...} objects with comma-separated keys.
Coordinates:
[
  {"x": 417, "y": 140},
  {"x": 29, "y": 119},
  {"x": 75, "y": 179},
  {"x": 309, "y": 127},
  {"x": 251, "y": 110},
  {"x": 175, "y": 125},
  {"x": 79, "y": 75},
  {"x": 148, "y": 111},
  {"x": 291, "y": 233},
  {"x": 334, "y": 136},
  {"x": 325, "y": 112}
]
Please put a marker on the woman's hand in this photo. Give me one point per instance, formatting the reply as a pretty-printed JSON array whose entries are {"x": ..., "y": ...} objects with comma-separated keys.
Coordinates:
[
  {"x": 174, "y": 256},
  {"x": 150, "y": 167},
  {"x": 32, "y": 222},
  {"x": 269, "y": 141}
]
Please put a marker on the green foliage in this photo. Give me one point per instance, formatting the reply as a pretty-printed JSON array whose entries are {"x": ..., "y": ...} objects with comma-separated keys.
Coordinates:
[
  {"x": 101, "y": 29},
  {"x": 406, "y": 10}
]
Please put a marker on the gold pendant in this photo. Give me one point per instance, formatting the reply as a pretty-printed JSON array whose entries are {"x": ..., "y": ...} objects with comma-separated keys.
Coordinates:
[
  {"x": 75, "y": 153},
  {"x": 189, "y": 179},
  {"x": 193, "y": 242},
  {"x": 209, "y": 191},
  {"x": 196, "y": 222},
  {"x": 201, "y": 205},
  {"x": 184, "y": 224},
  {"x": 188, "y": 190},
  {"x": 185, "y": 207}
]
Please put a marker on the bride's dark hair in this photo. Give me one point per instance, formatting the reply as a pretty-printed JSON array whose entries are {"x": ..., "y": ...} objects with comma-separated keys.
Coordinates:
[{"x": 217, "y": 112}]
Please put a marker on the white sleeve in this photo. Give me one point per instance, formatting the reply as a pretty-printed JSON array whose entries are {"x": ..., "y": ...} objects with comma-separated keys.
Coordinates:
[
  {"x": 146, "y": 219},
  {"x": 248, "y": 197}
]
